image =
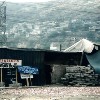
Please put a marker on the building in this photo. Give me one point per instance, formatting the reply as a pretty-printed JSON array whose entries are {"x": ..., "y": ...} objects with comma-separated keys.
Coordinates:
[
  {"x": 36, "y": 67},
  {"x": 43, "y": 60}
]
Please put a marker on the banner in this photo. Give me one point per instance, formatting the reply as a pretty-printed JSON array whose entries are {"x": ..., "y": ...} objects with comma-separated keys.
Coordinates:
[
  {"x": 10, "y": 63},
  {"x": 28, "y": 70}
]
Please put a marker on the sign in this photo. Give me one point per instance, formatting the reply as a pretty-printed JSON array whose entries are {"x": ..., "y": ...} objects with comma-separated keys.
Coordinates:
[
  {"x": 28, "y": 70},
  {"x": 10, "y": 63},
  {"x": 24, "y": 76}
]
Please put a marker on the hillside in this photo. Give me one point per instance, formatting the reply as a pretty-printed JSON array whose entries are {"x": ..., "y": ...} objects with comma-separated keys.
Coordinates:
[{"x": 37, "y": 25}]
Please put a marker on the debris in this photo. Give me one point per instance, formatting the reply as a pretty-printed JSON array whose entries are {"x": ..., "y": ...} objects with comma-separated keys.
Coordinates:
[{"x": 79, "y": 76}]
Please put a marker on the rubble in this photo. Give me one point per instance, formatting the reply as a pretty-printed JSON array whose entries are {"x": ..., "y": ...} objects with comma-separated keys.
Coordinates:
[{"x": 80, "y": 75}]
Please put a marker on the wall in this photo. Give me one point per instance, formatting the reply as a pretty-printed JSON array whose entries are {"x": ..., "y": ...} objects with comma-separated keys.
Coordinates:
[
  {"x": 29, "y": 57},
  {"x": 58, "y": 71}
]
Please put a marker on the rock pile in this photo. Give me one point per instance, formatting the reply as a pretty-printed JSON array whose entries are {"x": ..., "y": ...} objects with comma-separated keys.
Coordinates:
[{"x": 80, "y": 75}]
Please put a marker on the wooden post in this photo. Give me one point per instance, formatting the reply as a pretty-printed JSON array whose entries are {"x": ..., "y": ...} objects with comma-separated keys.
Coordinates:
[
  {"x": 16, "y": 76},
  {"x": 27, "y": 81},
  {"x": 1, "y": 75},
  {"x": 30, "y": 80},
  {"x": 81, "y": 58}
]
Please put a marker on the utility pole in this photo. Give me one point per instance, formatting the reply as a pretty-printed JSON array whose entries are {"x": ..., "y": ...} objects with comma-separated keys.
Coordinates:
[{"x": 3, "y": 38}]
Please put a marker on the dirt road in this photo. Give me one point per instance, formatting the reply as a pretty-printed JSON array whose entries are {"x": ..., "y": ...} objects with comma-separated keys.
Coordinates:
[{"x": 51, "y": 93}]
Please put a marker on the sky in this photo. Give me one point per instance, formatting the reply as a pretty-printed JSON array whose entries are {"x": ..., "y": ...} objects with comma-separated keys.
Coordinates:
[{"x": 22, "y": 1}]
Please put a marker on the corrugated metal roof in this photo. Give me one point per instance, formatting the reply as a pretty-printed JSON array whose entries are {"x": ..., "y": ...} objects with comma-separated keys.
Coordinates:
[{"x": 30, "y": 49}]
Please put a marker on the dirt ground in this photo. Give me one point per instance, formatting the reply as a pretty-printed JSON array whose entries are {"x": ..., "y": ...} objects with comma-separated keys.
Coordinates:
[{"x": 51, "y": 93}]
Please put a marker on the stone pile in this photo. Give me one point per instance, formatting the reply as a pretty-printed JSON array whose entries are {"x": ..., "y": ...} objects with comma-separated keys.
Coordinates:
[{"x": 80, "y": 75}]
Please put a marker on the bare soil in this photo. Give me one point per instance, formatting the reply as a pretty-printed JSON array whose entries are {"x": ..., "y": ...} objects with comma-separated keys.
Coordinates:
[{"x": 50, "y": 93}]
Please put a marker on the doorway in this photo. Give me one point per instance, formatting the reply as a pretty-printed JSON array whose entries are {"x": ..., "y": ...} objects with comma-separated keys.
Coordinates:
[{"x": 48, "y": 71}]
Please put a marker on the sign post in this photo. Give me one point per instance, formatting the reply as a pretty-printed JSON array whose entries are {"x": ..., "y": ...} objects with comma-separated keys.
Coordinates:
[
  {"x": 27, "y": 77},
  {"x": 27, "y": 72},
  {"x": 30, "y": 79},
  {"x": 1, "y": 75},
  {"x": 27, "y": 81},
  {"x": 16, "y": 76},
  {"x": 9, "y": 63}
]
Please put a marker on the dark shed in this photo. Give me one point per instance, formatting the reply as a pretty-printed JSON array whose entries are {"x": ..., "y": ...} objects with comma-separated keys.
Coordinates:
[
  {"x": 37, "y": 58},
  {"x": 29, "y": 57}
]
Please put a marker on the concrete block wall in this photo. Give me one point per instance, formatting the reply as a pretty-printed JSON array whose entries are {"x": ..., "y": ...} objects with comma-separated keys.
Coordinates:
[{"x": 58, "y": 71}]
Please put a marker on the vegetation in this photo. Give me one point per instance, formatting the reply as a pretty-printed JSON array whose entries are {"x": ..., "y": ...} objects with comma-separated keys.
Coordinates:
[{"x": 65, "y": 22}]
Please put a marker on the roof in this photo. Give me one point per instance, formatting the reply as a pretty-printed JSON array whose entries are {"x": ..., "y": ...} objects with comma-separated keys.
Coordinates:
[{"x": 82, "y": 45}]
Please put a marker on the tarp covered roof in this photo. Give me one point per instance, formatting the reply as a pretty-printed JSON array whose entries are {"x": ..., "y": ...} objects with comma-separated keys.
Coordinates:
[
  {"x": 94, "y": 60},
  {"x": 80, "y": 46}
]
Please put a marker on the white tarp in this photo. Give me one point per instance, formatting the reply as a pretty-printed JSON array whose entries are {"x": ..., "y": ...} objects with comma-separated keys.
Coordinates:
[{"x": 82, "y": 45}]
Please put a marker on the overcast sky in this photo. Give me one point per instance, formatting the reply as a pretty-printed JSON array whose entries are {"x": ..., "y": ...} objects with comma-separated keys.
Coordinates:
[{"x": 22, "y": 1}]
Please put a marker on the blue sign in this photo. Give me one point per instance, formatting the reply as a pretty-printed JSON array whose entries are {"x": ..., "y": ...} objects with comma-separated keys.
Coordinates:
[{"x": 28, "y": 70}]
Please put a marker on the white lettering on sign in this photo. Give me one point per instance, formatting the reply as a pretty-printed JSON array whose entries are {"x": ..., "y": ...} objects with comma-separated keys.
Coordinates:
[{"x": 10, "y": 63}]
